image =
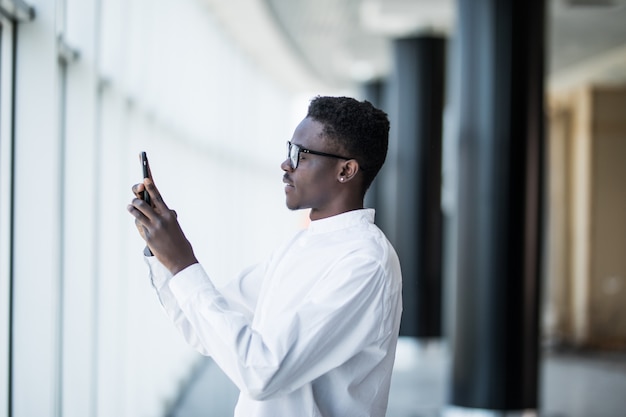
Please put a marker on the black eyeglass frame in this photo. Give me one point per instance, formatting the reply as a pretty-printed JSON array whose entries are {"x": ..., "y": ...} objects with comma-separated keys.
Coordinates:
[{"x": 294, "y": 164}]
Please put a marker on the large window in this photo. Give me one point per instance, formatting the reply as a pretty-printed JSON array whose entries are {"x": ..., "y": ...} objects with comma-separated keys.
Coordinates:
[
  {"x": 75, "y": 302},
  {"x": 11, "y": 13}
]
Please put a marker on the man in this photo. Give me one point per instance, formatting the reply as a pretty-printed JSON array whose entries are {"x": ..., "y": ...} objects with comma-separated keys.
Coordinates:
[{"x": 312, "y": 331}]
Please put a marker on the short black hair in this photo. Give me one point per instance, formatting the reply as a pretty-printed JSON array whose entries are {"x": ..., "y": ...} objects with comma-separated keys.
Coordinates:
[{"x": 355, "y": 127}]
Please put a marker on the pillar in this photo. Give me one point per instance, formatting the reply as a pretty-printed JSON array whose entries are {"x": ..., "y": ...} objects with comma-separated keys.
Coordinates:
[
  {"x": 500, "y": 127},
  {"x": 415, "y": 102}
]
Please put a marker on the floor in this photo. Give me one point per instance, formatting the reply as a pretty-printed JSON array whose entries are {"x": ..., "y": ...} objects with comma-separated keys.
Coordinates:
[{"x": 572, "y": 384}]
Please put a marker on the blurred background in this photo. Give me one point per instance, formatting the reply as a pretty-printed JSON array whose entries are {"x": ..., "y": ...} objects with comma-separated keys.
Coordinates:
[{"x": 508, "y": 142}]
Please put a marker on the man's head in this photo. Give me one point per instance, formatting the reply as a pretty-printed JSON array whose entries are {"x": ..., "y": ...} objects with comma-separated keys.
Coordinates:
[
  {"x": 334, "y": 155},
  {"x": 356, "y": 129}
]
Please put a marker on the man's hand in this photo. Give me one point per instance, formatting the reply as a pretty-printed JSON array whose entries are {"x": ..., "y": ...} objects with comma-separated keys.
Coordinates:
[{"x": 158, "y": 226}]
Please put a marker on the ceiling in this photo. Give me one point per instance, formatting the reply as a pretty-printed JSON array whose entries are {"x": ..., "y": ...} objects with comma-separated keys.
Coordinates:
[{"x": 330, "y": 44}]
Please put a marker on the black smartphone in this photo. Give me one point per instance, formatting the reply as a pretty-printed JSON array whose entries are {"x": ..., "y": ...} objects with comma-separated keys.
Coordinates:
[{"x": 146, "y": 174}]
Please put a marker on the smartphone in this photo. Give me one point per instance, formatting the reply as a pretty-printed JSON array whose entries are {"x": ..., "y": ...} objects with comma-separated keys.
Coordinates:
[{"x": 146, "y": 174}]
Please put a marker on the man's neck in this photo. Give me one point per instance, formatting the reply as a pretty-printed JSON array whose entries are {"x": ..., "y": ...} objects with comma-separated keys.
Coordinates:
[{"x": 316, "y": 214}]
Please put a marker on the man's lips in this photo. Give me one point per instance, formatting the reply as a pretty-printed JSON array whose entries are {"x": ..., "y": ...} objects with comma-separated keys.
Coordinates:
[{"x": 288, "y": 184}]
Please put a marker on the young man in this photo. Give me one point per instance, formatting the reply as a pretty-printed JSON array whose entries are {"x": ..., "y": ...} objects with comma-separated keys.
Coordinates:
[{"x": 312, "y": 331}]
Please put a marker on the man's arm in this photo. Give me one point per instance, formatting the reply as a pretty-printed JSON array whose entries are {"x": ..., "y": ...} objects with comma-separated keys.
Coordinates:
[
  {"x": 159, "y": 227},
  {"x": 241, "y": 293},
  {"x": 345, "y": 315}
]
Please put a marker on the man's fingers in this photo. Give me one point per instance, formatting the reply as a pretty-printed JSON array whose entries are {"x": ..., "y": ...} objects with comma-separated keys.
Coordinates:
[
  {"x": 134, "y": 210},
  {"x": 138, "y": 190}
]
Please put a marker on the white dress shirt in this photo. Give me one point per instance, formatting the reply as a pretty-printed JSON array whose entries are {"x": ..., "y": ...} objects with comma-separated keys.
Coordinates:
[{"x": 310, "y": 332}]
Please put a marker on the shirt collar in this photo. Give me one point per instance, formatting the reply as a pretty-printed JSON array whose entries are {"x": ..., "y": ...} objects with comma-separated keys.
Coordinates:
[{"x": 342, "y": 221}]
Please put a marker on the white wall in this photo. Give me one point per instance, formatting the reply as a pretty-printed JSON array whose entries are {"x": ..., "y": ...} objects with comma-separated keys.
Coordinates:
[{"x": 89, "y": 338}]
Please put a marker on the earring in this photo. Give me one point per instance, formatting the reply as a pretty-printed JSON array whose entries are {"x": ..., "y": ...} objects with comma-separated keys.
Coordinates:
[{"x": 341, "y": 179}]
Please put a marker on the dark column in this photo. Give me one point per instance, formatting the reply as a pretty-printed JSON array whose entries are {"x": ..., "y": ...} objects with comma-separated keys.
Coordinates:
[
  {"x": 500, "y": 116},
  {"x": 416, "y": 91},
  {"x": 374, "y": 92}
]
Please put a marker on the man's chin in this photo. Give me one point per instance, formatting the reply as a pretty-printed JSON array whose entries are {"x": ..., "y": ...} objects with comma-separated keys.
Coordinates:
[{"x": 292, "y": 207}]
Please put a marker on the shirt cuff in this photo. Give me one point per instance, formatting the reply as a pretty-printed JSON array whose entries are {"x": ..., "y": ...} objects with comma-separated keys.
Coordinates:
[
  {"x": 189, "y": 282},
  {"x": 159, "y": 275}
]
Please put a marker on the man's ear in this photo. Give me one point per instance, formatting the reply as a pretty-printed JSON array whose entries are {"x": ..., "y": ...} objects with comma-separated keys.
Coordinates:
[{"x": 348, "y": 171}]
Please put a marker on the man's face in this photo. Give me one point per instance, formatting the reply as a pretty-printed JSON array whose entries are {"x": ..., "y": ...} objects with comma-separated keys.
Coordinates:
[{"x": 313, "y": 184}]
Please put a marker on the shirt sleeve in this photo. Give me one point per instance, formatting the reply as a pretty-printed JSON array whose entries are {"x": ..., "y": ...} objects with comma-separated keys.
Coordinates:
[
  {"x": 159, "y": 278},
  {"x": 242, "y": 293},
  {"x": 333, "y": 323}
]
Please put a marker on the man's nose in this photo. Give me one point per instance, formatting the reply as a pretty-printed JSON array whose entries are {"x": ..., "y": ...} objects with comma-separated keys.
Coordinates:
[{"x": 286, "y": 165}]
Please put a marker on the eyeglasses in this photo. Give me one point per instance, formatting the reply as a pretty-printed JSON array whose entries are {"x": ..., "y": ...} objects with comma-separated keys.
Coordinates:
[{"x": 293, "y": 153}]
